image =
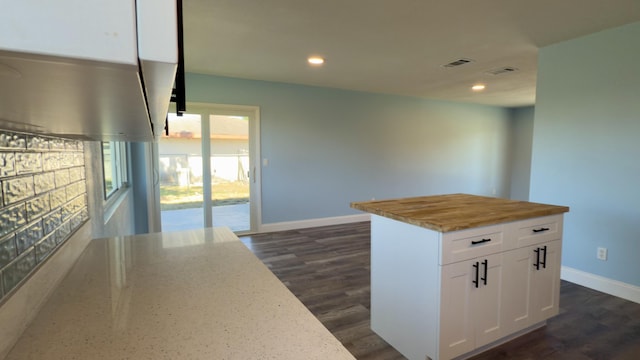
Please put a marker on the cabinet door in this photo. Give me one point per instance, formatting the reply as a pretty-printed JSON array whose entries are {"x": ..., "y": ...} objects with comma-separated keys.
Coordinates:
[
  {"x": 545, "y": 281},
  {"x": 456, "y": 324},
  {"x": 531, "y": 285},
  {"x": 487, "y": 301},
  {"x": 516, "y": 293},
  {"x": 470, "y": 305}
]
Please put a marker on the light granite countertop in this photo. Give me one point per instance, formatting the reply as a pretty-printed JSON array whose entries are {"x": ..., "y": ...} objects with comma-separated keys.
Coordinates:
[
  {"x": 453, "y": 212},
  {"x": 197, "y": 294}
]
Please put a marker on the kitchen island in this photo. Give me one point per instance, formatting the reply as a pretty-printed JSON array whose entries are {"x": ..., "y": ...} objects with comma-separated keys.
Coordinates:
[
  {"x": 197, "y": 294},
  {"x": 453, "y": 275}
]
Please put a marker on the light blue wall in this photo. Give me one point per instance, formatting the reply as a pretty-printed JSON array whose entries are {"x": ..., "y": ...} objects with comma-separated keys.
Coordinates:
[
  {"x": 522, "y": 139},
  {"x": 328, "y": 147},
  {"x": 139, "y": 181},
  {"x": 586, "y": 148}
]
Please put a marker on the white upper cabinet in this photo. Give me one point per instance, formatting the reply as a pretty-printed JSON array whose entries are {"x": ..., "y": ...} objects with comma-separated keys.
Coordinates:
[
  {"x": 158, "y": 54},
  {"x": 156, "y": 28},
  {"x": 91, "y": 69},
  {"x": 90, "y": 29}
]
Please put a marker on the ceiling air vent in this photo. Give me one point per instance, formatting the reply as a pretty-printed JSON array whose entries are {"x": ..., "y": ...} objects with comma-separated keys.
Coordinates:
[
  {"x": 458, "y": 62},
  {"x": 502, "y": 70}
]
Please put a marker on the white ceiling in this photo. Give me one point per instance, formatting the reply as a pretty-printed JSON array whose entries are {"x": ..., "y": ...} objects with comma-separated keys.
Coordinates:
[{"x": 392, "y": 46}]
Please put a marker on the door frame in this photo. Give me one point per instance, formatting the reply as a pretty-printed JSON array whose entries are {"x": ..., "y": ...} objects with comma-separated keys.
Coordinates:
[{"x": 255, "y": 178}]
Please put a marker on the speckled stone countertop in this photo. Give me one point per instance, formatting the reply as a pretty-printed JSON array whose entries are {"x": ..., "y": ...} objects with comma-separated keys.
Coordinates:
[
  {"x": 197, "y": 294},
  {"x": 457, "y": 211}
]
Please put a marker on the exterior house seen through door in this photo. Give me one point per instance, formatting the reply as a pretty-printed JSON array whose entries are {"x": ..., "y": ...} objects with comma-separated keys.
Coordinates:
[{"x": 210, "y": 180}]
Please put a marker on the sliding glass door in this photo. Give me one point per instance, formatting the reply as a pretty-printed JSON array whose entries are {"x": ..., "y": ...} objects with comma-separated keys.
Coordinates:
[{"x": 207, "y": 175}]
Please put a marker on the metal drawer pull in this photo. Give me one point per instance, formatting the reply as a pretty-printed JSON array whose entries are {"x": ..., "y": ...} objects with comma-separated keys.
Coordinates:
[
  {"x": 486, "y": 265},
  {"x": 542, "y": 250},
  {"x": 540, "y": 230},
  {"x": 476, "y": 242},
  {"x": 477, "y": 267}
]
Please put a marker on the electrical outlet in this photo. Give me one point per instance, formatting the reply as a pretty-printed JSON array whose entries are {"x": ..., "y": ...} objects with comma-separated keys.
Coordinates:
[{"x": 602, "y": 253}]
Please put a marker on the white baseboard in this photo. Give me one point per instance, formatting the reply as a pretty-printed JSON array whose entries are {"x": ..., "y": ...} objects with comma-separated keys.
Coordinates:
[
  {"x": 596, "y": 282},
  {"x": 301, "y": 224}
]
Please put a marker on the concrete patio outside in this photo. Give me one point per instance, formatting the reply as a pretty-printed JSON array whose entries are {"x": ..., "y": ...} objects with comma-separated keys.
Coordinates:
[{"x": 236, "y": 217}]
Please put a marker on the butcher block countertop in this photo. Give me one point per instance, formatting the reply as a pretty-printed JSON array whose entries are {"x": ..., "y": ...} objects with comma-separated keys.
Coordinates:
[
  {"x": 453, "y": 212},
  {"x": 197, "y": 294}
]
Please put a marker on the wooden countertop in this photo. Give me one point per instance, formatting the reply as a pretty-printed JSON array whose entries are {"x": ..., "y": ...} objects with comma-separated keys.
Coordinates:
[
  {"x": 197, "y": 294},
  {"x": 456, "y": 211}
]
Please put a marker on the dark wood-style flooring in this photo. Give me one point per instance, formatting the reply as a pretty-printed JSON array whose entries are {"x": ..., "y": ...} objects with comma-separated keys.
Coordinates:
[{"x": 327, "y": 268}]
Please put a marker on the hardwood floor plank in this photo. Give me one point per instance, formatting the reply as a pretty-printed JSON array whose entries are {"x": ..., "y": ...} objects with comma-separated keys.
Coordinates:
[{"x": 328, "y": 269}]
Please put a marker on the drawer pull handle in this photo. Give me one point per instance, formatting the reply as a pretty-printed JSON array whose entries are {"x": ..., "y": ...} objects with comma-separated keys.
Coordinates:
[
  {"x": 486, "y": 265},
  {"x": 542, "y": 262},
  {"x": 476, "y": 266},
  {"x": 540, "y": 230},
  {"x": 476, "y": 242}
]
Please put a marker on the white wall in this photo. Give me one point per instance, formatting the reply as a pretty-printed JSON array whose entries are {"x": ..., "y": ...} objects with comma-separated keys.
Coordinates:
[
  {"x": 521, "y": 142},
  {"x": 586, "y": 149}
]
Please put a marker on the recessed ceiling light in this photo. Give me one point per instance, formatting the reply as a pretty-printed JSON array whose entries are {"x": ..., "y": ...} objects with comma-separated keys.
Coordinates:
[
  {"x": 478, "y": 87},
  {"x": 315, "y": 60}
]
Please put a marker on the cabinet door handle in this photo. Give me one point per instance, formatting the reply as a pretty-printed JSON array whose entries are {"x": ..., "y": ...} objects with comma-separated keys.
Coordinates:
[
  {"x": 476, "y": 242},
  {"x": 540, "y": 230},
  {"x": 486, "y": 265},
  {"x": 544, "y": 257},
  {"x": 537, "y": 264},
  {"x": 477, "y": 267}
]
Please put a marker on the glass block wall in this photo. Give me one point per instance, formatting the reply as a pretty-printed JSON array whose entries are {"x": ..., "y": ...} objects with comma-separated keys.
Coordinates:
[{"x": 43, "y": 200}]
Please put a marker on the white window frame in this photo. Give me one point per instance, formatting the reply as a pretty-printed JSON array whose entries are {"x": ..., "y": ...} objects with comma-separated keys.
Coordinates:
[{"x": 119, "y": 166}]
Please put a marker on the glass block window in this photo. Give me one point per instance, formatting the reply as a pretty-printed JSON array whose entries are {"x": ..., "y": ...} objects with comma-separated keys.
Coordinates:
[{"x": 43, "y": 200}]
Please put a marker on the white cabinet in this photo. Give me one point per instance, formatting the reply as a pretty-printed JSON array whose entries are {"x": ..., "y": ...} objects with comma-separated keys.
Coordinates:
[
  {"x": 470, "y": 313},
  {"x": 90, "y": 29},
  {"x": 532, "y": 285},
  {"x": 438, "y": 295},
  {"x": 90, "y": 69}
]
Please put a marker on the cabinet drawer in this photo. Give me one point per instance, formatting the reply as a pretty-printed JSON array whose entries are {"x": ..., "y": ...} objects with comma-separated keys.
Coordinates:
[
  {"x": 537, "y": 230},
  {"x": 467, "y": 244}
]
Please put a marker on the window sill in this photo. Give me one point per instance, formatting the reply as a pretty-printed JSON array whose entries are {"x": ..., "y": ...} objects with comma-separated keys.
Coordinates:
[{"x": 113, "y": 203}]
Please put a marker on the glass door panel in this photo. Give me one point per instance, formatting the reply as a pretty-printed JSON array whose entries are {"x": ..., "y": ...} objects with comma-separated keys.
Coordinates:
[
  {"x": 230, "y": 170},
  {"x": 180, "y": 174},
  {"x": 224, "y": 161}
]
